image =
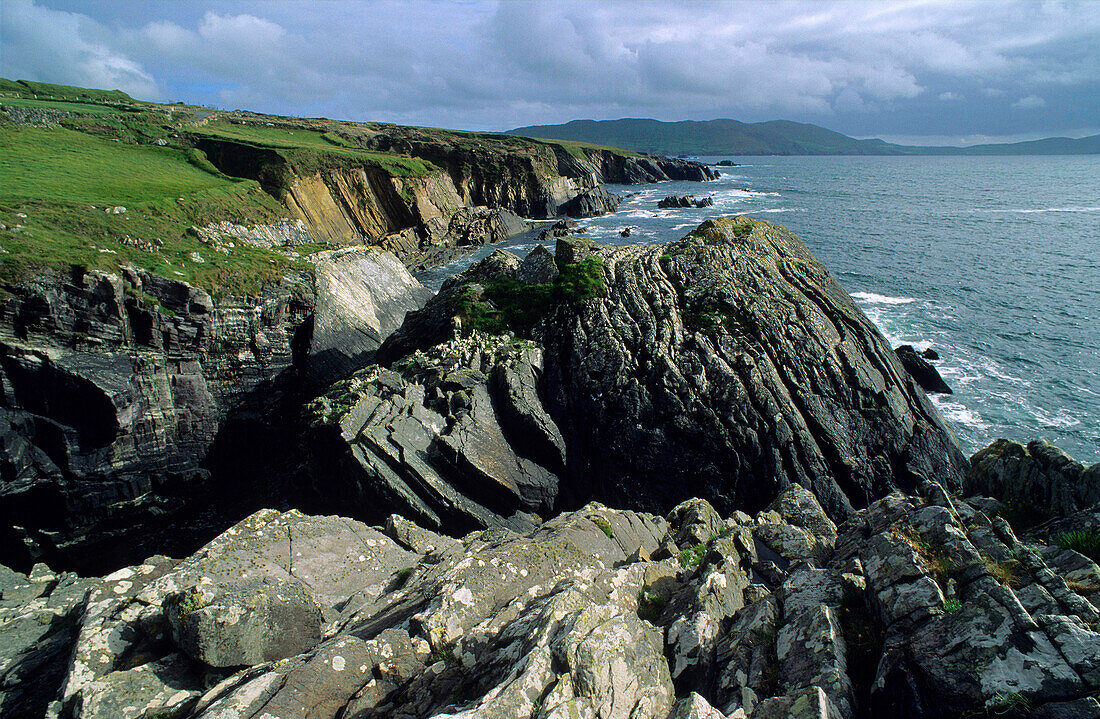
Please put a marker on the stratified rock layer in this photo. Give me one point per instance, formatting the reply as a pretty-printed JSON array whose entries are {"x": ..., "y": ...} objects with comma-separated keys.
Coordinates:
[{"x": 728, "y": 365}]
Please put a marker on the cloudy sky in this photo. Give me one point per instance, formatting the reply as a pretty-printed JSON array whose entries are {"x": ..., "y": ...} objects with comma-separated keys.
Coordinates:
[{"x": 909, "y": 71}]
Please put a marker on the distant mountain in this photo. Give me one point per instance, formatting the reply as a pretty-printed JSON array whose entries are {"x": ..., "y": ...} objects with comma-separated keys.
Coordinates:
[{"x": 776, "y": 137}]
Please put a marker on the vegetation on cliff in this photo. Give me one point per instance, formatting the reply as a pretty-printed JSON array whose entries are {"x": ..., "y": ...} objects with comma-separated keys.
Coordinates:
[{"x": 98, "y": 180}]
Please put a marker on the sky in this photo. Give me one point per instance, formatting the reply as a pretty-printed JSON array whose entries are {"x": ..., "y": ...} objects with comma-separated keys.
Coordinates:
[{"x": 921, "y": 72}]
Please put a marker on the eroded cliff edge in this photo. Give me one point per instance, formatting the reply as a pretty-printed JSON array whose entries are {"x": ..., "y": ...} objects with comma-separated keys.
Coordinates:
[{"x": 727, "y": 366}]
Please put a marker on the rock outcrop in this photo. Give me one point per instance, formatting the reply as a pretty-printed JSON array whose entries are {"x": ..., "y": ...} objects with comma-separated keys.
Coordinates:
[
  {"x": 122, "y": 394},
  {"x": 916, "y": 606},
  {"x": 673, "y": 201},
  {"x": 729, "y": 366},
  {"x": 920, "y": 369},
  {"x": 1038, "y": 477}
]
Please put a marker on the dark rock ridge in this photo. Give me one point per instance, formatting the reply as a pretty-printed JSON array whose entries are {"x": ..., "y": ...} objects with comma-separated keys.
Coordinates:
[
  {"x": 1038, "y": 477},
  {"x": 685, "y": 201},
  {"x": 728, "y": 365},
  {"x": 916, "y": 606},
  {"x": 119, "y": 394},
  {"x": 920, "y": 369}
]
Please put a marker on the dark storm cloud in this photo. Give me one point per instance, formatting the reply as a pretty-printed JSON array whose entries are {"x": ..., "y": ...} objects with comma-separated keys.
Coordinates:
[{"x": 915, "y": 68}]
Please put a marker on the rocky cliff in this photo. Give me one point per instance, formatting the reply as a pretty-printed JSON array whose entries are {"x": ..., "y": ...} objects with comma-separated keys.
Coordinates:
[
  {"x": 924, "y": 605},
  {"x": 122, "y": 392},
  {"x": 728, "y": 365},
  {"x": 475, "y": 191}
]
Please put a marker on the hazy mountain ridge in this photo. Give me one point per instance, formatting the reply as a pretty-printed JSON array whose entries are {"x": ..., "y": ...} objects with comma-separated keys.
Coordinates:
[{"x": 775, "y": 137}]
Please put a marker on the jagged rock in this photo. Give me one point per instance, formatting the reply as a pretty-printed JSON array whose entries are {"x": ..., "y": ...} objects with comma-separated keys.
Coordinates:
[
  {"x": 38, "y": 616},
  {"x": 725, "y": 366},
  {"x": 570, "y": 619},
  {"x": 1039, "y": 476},
  {"x": 455, "y": 449},
  {"x": 686, "y": 201},
  {"x": 538, "y": 267},
  {"x": 415, "y": 538},
  {"x": 694, "y": 522},
  {"x": 362, "y": 296},
  {"x": 244, "y": 622},
  {"x": 694, "y": 706},
  {"x": 925, "y": 373},
  {"x": 596, "y": 201}
]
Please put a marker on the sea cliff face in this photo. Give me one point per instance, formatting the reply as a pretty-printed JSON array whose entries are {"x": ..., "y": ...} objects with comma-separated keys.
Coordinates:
[
  {"x": 423, "y": 218},
  {"x": 121, "y": 392}
]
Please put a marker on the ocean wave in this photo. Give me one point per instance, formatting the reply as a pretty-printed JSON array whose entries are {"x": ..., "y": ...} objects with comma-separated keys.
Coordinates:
[
  {"x": 781, "y": 209},
  {"x": 959, "y": 413},
  {"x": 875, "y": 298},
  {"x": 1037, "y": 210}
]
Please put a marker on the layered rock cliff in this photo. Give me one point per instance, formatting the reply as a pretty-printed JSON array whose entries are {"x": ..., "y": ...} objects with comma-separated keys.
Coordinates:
[
  {"x": 728, "y": 365},
  {"x": 122, "y": 392},
  {"x": 479, "y": 188}
]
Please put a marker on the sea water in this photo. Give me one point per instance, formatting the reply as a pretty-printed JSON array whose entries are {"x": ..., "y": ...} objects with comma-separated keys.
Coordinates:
[{"x": 994, "y": 262}]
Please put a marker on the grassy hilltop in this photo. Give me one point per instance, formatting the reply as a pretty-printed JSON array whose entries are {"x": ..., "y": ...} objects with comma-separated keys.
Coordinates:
[{"x": 69, "y": 157}]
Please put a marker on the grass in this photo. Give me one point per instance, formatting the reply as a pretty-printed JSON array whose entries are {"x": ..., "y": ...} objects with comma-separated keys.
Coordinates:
[
  {"x": 578, "y": 149},
  {"x": 62, "y": 165},
  {"x": 1003, "y": 572},
  {"x": 650, "y": 605},
  {"x": 604, "y": 526},
  {"x": 64, "y": 106},
  {"x": 1084, "y": 542},
  {"x": 507, "y": 305},
  {"x": 692, "y": 556},
  {"x": 312, "y": 150},
  {"x": 951, "y": 605}
]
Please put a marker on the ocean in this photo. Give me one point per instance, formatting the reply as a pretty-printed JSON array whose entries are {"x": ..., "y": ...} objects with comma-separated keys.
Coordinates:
[{"x": 994, "y": 262}]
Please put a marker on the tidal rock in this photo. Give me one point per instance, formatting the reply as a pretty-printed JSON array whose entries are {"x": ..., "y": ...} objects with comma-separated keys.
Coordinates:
[
  {"x": 244, "y": 622},
  {"x": 1038, "y": 476},
  {"x": 685, "y": 201},
  {"x": 925, "y": 373},
  {"x": 596, "y": 201}
]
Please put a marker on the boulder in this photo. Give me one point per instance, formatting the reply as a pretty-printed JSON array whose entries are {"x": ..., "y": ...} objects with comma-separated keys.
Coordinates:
[
  {"x": 538, "y": 267},
  {"x": 244, "y": 622},
  {"x": 362, "y": 296},
  {"x": 924, "y": 372},
  {"x": 1038, "y": 476}
]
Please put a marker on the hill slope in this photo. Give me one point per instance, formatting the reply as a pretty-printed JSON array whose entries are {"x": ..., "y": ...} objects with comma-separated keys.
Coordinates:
[{"x": 775, "y": 137}]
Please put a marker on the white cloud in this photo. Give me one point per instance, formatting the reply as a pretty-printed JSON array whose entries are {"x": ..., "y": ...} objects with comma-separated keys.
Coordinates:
[
  {"x": 37, "y": 43},
  {"x": 1031, "y": 102},
  {"x": 501, "y": 64}
]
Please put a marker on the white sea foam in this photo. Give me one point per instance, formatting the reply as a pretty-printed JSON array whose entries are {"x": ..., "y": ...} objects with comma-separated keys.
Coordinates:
[
  {"x": 957, "y": 412},
  {"x": 1031, "y": 211},
  {"x": 875, "y": 298}
]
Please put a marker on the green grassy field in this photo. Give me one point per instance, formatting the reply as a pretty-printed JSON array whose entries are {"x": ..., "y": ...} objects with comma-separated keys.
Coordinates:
[
  {"x": 312, "y": 150},
  {"x": 63, "y": 165},
  {"x": 77, "y": 107},
  {"x": 55, "y": 185}
]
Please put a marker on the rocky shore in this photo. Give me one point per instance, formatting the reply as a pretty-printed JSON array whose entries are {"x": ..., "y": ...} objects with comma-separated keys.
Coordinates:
[
  {"x": 919, "y": 605},
  {"x": 685, "y": 481}
]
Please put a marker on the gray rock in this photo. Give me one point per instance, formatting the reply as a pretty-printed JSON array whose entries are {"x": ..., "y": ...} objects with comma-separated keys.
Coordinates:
[
  {"x": 538, "y": 267},
  {"x": 1039, "y": 476},
  {"x": 362, "y": 296},
  {"x": 244, "y": 622},
  {"x": 921, "y": 370}
]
